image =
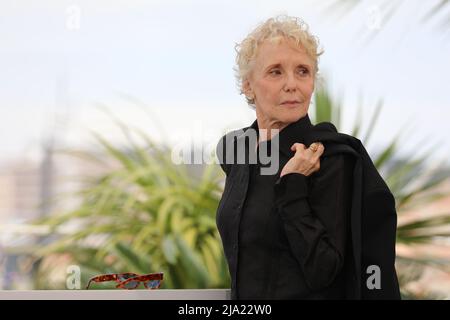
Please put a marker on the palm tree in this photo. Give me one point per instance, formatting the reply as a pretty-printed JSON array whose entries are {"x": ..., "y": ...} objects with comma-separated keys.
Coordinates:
[{"x": 145, "y": 215}]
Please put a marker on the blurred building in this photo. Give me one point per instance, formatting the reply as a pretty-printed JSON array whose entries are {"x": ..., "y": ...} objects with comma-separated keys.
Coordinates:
[
  {"x": 19, "y": 191},
  {"x": 29, "y": 190}
]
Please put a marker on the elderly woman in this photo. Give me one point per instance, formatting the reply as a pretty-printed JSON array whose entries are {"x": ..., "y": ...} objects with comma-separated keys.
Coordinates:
[{"x": 286, "y": 234}]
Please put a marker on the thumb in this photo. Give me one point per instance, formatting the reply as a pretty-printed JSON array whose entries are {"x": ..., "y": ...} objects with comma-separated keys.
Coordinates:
[{"x": 294, "y": 146}]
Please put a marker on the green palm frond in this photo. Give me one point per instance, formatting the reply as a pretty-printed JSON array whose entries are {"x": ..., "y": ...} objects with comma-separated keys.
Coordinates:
[{"x": 146, "y": 215}]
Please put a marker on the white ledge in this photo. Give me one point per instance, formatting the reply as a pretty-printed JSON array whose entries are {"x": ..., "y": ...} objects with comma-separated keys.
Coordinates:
[{"x": 138, "y": 294}]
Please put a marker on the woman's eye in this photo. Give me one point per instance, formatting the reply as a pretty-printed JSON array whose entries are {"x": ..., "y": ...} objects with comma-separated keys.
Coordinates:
[{"x": 303, "y": 71}]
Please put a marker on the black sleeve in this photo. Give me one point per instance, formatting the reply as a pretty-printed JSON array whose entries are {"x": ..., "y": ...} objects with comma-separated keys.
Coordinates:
[
  {"x": 221, "y": 154},
  {"x": 315, "y": 217}
]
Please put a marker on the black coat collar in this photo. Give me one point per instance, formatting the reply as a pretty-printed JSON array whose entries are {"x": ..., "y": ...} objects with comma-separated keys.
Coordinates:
[{"x": 292, "y": 133}]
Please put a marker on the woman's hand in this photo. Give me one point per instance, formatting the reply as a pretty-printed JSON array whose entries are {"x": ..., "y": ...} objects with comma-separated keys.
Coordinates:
[{"x": 304, "y": 161}]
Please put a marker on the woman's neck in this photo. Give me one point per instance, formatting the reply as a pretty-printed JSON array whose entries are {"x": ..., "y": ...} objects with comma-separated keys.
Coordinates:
[{"x": 268, "y": 130}]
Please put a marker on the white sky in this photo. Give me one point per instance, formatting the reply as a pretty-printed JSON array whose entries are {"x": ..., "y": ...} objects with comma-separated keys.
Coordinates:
[{"x": 177, "y": 58}]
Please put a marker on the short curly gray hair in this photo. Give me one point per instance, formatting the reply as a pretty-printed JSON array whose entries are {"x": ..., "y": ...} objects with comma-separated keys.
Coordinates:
[{"x": 274, "y": 29}]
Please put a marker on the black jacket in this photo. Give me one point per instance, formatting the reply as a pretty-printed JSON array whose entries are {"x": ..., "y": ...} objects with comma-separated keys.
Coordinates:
[{"x": 316, "y": 217}]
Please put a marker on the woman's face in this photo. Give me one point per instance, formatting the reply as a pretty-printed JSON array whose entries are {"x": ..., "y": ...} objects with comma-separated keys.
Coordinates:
[{"x": 281, "y": 82}]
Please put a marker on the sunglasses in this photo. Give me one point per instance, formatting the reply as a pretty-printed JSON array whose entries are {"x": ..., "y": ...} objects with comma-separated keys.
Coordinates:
[{"x": 130, "y": 280}]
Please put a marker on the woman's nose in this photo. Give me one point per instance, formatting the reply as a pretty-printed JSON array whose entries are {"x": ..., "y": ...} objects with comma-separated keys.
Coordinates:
[{"x": 290, "y": 83}]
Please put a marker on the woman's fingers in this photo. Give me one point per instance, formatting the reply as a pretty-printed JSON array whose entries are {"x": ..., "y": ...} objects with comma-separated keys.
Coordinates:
[
  {"x": 307, "y": 160},
  {"x": 318, "y": 153},
  {"x": 297, "y": 147}
]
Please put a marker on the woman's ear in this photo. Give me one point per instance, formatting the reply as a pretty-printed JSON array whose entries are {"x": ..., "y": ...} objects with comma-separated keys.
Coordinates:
[{"x": 247, "y": 89}]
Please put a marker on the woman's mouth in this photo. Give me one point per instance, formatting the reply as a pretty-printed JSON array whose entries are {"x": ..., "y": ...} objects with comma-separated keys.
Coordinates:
[{"x": 290, "y": 103}]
